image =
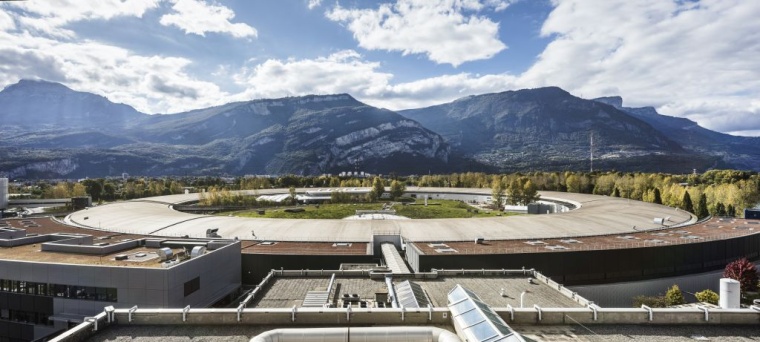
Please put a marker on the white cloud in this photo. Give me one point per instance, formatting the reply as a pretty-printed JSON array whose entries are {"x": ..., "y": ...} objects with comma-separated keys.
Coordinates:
[
  {"x": 347, "y": 72},
  {"x": 447, "y": 31},
  {"x": 50, "y": 17},
  {"x": 198, "y": 17},
  {"x": 691, "y": 59},
  {"x": 149, "y": 83},
  {"x": 314, "y": 4},
  {"x": 6, "y": 22}
]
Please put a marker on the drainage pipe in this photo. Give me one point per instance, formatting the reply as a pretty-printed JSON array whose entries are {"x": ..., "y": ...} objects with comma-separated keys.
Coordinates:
[{"x": 365, "y": 334}]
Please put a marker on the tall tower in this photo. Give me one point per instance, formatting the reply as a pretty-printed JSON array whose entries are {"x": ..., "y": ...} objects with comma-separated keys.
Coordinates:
[{"x": 591, "y": 148}]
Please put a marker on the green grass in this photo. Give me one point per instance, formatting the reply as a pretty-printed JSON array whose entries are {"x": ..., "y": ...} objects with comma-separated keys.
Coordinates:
[{"x": 436, "y": 209}]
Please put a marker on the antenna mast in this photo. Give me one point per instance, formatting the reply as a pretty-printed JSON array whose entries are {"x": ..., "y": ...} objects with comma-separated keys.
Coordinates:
[{"x": 591, "y": 135}]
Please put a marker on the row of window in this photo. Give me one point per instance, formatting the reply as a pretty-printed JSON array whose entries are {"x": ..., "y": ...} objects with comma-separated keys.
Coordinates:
[
  {"x": 25, "y": 317},
  {"x": 103, "y": 294}
]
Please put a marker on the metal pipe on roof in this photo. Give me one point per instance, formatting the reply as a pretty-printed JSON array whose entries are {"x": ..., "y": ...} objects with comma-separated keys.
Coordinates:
[
  {"x": 366, "y": 334},
  {"x": 391, "y": 291}
]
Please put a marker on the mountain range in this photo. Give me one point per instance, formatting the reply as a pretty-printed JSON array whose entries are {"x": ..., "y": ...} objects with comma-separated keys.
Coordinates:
[{"x": 51, "y": 131}]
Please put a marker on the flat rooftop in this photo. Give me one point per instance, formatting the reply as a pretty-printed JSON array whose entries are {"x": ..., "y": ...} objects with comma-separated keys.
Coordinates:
[
  {"x": 285, "y": 292},
  {"x": 565, "y": 333},
  {"x": 42, "y": 226},
  {"x": 306, "y": 248},
  {"x": 596, "y": 215},
  {"x": 713, "y": 229}
]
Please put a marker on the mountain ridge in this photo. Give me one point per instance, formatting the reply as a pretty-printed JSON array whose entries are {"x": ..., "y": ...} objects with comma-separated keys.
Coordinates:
[{"x": 518, "y": 130}]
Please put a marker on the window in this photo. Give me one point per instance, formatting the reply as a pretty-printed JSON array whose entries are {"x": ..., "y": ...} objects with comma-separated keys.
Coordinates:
[
  {"x": 57, "y": 290},
  {"x": 192, "y": 286}
]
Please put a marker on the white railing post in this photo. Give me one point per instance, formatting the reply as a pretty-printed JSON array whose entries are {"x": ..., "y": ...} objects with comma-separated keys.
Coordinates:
[
  {"x": 109, "y": 313},
  {"x": 594, "y": 308},
  {"x": 131, "y": 310},
  {"x": 511, "y": 312},
  {"x": 538, "y": 308},
  {"x": 707, "y": 312},
  {"x": 184, "y": 313},
  {"x": 430, "y": 312},
  {"x": 348, "y": 313},
  {"x": 651, "y": 313},
  {"x": 402, "y": 313},
  {"x": 93, "y": 320},
  {"x": 293, "y": 313}
]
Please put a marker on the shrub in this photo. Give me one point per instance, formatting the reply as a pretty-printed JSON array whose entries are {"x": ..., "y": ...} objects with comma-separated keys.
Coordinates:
[
  {"x": 650, "y": 301},
  {"x": 674, "y": 296},
  {"x": 744, "y": 271},
  {"x": 707, "y": 296}
]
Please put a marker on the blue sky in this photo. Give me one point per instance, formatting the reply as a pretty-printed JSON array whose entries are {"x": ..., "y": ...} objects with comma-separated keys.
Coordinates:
[{"x": 695, "y": 59}]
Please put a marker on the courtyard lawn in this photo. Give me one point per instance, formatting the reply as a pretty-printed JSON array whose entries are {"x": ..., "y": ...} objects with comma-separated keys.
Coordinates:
[{"x": 435, "y": 209}]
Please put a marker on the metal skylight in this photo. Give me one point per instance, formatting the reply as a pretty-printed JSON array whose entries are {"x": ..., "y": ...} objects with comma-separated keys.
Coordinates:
[
  {"x": 411, "y": 295},
  {"x": 476, "y": 320}
]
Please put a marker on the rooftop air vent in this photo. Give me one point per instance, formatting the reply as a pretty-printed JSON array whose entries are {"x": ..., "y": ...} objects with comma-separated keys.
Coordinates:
[
  {"x": 165, "y": 253},
  {"x": 197, "y": 251}
]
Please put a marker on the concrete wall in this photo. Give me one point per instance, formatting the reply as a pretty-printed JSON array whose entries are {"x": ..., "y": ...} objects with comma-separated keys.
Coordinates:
[
  {"x": 256, "y": 266},
  {"x": 607, "y": 266},
  {"x": 436, "y": 316}
]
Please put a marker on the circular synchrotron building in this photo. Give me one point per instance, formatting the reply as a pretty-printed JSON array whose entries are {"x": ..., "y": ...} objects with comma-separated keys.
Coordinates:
[{"x": 598, "y": 240}]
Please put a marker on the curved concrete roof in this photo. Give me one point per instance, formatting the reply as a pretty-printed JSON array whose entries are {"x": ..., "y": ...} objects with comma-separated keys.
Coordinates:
[{"x": 596, "y": 215}]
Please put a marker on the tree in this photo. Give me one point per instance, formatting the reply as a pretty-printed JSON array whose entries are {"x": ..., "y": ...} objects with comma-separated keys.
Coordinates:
[
  {"x": 515, "y": 194},
  {"x": 686, "y": 202},
  {"x": 397, "y": 189},
  {"x": 731, "y": 211},
  {"x": 529, "y": 193},
  {"x": 292, "y": 191},
  {"x": 657, "y": 197},
  {"x": 573, "y": 183},
  {"x": 674, "y": 296},
  {"x": 497, "y": 192},
  {"x": 702, "y": 208},
  {"x": 707, "y": 296},
  {"x": 616, "y": 193},
  {"x": 378, "y": 188},
  {"x": 720, "y": 209},
  {"x": 744, "y": 271}
]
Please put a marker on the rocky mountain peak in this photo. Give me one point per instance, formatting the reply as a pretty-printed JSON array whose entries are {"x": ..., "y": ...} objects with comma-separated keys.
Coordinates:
[{"x": 615, "y": 101}]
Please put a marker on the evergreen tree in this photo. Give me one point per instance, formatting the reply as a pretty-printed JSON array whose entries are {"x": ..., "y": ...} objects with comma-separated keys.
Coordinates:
[
  {"x": 731, "y": 211},
  {"x": 616, "y": 193},
  {"x": 657, "y": 197},
  {"x": 702, "y": 209},
  {"x": 720, "y": 209},
  {"x": 686, "y": 202}
]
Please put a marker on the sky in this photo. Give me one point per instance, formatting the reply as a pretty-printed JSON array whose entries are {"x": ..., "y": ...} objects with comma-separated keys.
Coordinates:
[{"x": 698, "y": 59}]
